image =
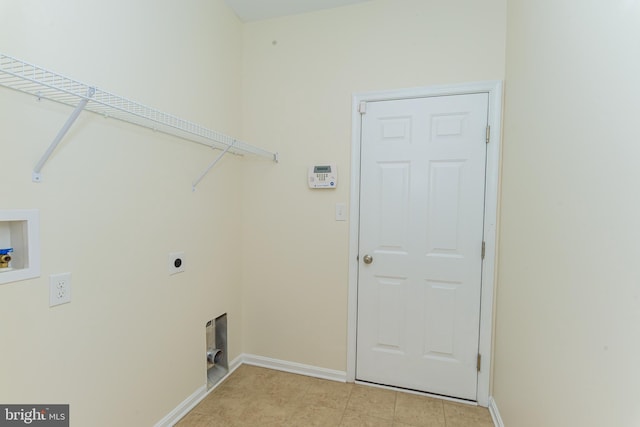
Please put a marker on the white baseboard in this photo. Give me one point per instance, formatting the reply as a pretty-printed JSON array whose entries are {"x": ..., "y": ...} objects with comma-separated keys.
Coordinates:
[
  {"x": 190, "y": 402},
  {"x": 295, "y": 368},
  {"x": 182, "y": 409},
  {"x": 495, "y": 414}
]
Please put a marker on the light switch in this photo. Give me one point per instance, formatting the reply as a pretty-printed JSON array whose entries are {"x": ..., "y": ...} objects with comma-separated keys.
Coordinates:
[{"x": 341, "y": 211}]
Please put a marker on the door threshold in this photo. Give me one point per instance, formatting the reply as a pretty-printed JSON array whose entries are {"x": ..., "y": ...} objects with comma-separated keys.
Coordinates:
[{"x": 418, "y": 392}]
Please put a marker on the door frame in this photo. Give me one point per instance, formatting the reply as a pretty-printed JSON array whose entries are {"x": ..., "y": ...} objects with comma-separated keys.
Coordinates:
[{"x": 492, "y": 181}]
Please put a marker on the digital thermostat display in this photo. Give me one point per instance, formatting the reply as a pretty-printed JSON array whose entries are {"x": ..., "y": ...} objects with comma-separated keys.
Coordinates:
[{"x": 323, "y": 176}]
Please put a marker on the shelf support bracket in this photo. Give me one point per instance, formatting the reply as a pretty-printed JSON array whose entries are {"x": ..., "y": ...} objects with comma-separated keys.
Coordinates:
[
  {"x": 36, "y": 176},
  {"x": 206, "y": 171}
]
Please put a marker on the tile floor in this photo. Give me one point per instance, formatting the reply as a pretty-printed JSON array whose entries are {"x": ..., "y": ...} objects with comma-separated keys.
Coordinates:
[{"x": 257, "y": 397}]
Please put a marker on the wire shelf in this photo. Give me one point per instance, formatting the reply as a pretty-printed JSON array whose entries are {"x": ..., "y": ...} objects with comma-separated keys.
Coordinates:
[{"x": 42, "y": 83}]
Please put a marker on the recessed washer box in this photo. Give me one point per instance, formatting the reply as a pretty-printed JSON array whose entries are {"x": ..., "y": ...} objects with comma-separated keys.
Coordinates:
[{"x": 20, "y": 231}]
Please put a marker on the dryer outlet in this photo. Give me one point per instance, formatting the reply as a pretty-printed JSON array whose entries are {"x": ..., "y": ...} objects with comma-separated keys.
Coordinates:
[{"x": 176, "y": 262}]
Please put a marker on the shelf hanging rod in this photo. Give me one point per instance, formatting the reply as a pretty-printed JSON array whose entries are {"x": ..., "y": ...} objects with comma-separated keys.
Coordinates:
[
  {"x": 36, "y": 176},
  {"x": 206, "y": 171},
  {"x": 45, "y": 84}
]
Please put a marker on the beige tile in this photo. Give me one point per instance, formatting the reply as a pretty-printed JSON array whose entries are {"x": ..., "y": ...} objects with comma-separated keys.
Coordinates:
[
  {"x": 233, "y": 392},
  {"x": 461, "y": 415},
  {"x": 418, "y": 410},
  {"x": 249, "y": 378},
  {"x": 194, "y": 420},
  {"x": 372, "y": 401},
  {"x": 330, "y": 394},
  {"x": 254, "y": 396},
  {"x": 314, "y": 416},
  {"x": 222, "y": 409},
  {"x": 356, "y": 419},
  {"x": 228, "y": 402},
  {"x": 295, "y": 381},
  {"x": 287, "y": 388},
  {"x": 252, "y": 371},
  {"x": 267, "y": 410}
]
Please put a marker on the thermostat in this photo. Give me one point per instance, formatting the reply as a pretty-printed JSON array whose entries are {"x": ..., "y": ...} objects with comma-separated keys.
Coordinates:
[{"x": 323, "y": 176}]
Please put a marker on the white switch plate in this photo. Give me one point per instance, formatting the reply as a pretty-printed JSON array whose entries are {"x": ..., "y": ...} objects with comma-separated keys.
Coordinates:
[
  {"x": 59, "y": 289},
  {"x": 176, "y": 262},
  {"x": 341, "y": 211}
]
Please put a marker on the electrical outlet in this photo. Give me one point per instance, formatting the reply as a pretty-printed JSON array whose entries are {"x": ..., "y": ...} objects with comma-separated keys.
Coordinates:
[
  {"x": 59, "y": 289},
  {"x": 176, "y": 262}
]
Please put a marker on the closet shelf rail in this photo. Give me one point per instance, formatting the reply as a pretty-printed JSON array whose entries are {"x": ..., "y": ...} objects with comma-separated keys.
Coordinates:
[{"x": 45, "y": 84}]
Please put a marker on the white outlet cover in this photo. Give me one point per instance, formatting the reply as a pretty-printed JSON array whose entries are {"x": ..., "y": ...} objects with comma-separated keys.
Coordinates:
[
  {"x": 176, "y": 262},
  {"x": 59, "y": 289}
]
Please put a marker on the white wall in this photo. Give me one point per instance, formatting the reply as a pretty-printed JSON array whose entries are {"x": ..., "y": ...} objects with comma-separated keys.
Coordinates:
[
  {"x": 568, "y": 309},
  {"x": 115, "y": 200},
  {"x": 568, "y": 294},
  {"x": 299, "y": 75}
]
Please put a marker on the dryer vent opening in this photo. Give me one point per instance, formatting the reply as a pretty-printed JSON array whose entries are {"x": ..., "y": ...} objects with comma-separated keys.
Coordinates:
[{"x": 216, "y": 353}]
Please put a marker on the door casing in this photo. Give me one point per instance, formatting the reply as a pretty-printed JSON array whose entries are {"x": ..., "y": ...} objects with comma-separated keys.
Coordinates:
[{"x": 494, "y": 90}]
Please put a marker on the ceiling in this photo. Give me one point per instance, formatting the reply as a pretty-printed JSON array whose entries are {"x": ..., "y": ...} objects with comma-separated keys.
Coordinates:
[{"x": 256, "y": 10}]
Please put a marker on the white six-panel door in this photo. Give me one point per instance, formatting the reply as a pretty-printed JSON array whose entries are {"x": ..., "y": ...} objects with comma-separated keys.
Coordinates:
[{"x": 422, "y": 193}]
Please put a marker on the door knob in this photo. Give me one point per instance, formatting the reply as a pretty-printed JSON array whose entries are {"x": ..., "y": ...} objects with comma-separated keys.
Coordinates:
[{"x": 368, "y": 259}]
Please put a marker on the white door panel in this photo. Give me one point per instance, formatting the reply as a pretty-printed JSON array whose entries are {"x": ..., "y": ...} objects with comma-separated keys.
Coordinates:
[{"x": 421, "y": 219}]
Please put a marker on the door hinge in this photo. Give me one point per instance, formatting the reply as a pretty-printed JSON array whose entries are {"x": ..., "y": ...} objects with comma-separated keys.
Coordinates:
[
  {"x": 362, "y": 108},
  {"x": 484, "y": 249},
  {"x": 479, "y": 362},
  {"x": 488, "y": 134}
]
